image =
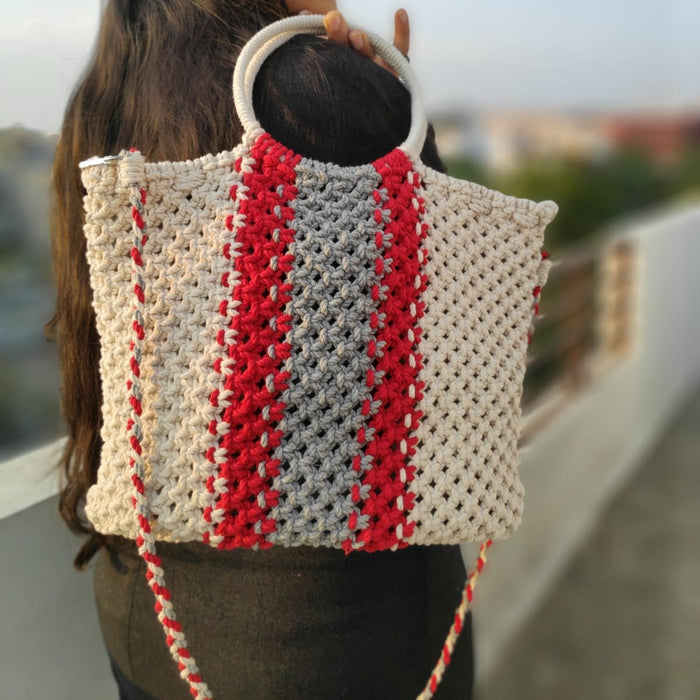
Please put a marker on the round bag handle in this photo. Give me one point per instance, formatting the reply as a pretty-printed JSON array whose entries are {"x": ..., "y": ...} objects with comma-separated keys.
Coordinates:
[{"x": 260, "y": 46}]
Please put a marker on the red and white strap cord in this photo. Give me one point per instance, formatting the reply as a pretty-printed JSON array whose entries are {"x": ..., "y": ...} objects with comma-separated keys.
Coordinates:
[
  {"x": 175, "y": 637},
  {"x": 457, "y": 626}
]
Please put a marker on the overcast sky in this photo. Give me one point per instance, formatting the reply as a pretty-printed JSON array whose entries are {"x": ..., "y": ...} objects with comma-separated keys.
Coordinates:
[{"x": 534, "y": 54}]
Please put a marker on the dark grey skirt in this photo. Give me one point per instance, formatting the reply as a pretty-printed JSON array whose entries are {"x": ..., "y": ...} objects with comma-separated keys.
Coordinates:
[{"x": 290, "y": 623}]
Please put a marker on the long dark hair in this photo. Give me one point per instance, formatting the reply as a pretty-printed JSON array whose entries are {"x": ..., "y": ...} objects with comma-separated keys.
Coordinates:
[{"x": 160, "y": 81}]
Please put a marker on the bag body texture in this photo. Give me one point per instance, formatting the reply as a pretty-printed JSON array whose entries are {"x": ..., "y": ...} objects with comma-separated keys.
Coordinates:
[
  {"x": 295, "y": 353},
  {"x": 331, "y": 356}
]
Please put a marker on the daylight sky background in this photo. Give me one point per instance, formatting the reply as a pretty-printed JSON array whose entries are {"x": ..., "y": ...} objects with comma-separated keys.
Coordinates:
[{"x": 534, "y": 54}]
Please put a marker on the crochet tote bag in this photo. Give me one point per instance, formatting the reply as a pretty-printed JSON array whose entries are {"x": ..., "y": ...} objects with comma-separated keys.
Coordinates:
[{"x": 298, "y": 353}]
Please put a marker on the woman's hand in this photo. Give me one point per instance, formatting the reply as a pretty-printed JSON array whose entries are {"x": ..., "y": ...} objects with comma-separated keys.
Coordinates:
[{"x": 337, "y": 28}]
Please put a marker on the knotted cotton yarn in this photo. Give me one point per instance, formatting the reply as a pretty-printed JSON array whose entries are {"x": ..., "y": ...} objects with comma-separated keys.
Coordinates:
[{"x": 332, "y": 356}]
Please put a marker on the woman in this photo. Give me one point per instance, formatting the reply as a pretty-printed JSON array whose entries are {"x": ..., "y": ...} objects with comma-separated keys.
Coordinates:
[{"x": 299, "y": 622}]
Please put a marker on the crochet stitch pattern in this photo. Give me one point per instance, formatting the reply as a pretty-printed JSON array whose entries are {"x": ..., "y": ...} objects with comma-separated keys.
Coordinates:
[
  {"x": 328, "y": 400},
  {"x": 483, "y": 263},
  {"x": 394, "y": 380},
  {"x": 258, "y": 349},
  {"x": 332, "y": 356}
]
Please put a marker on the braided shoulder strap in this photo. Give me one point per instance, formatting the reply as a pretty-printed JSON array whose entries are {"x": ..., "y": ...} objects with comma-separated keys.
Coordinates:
[{"x": 131, "y": 174}]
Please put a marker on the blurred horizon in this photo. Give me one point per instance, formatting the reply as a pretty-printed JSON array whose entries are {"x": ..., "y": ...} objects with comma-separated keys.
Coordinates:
[{"x": 595, "y": 57}]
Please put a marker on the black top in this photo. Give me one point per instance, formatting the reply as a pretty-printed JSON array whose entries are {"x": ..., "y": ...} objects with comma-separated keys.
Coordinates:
[{"x": 290, "y": 623}]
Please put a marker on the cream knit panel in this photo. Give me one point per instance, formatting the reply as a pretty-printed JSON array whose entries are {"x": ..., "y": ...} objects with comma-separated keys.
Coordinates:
[
  {"x": 109, "y": 259},
  {"x": 187, "y": 208},
  {"x": 484, "y": 260}
]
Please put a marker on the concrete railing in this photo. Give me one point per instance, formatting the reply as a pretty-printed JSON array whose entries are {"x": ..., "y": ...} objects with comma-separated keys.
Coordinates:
[{"x": 573, "y": 464}]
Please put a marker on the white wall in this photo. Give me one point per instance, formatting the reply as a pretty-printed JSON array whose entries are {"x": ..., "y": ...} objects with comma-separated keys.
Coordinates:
[{"x": 50, "y": 645}]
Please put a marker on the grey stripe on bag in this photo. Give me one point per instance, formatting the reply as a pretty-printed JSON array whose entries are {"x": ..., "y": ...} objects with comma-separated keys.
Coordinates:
[{"x": 332, "y": 277}]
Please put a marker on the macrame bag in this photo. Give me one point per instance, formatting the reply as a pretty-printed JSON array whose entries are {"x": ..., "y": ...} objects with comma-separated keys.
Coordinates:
[{"x": 298, "y": 353}]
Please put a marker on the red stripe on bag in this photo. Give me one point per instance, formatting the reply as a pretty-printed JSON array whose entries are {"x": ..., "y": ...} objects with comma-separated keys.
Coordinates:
[
  {"x": 397, "y": 390},
  {"x": 259, "y": 349}
]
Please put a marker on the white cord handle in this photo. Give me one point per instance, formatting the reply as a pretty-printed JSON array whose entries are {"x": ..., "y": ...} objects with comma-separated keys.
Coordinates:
[{"x": 259, "y": 48}]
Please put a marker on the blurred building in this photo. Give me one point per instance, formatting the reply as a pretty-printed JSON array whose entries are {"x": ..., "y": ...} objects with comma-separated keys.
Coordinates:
[
  {"x": 25, "y": 163},
  {"x": 29, "y": 411},
  {"x": 502, "y": 140},
  {"x": 664, "y": 137}
]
